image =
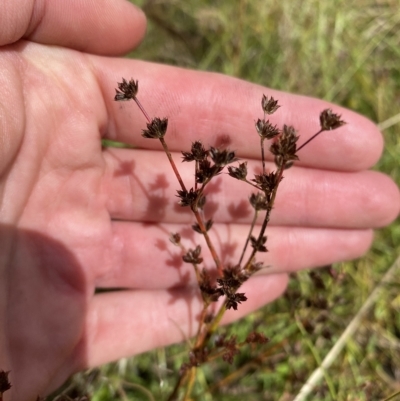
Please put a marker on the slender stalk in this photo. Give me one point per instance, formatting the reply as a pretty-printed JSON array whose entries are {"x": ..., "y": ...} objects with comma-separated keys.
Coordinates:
[
  {"x": 248, "y": 236},
  {"x": 262, "y": 155},
  {"x": 139, "y": 387},
  {"x": 195, "y": 174},
  {"x": 142, "y": 109},
  {"x": 267, "y": 215},
  {"x": 262, "y": 150},
  {"x": 253, "y": 185},
  {"x": 201, "y": 320},
  {"x": 391, "y": 397},
  {"x": 164, "y": 145},
  {"x": 173, "y": 165},
  {"x": 310, "y": 139},
  {"x": 254, "y": 363},
  {"x": 178, "y": 385},
  {"x": 202, "y": 340},
  {"x": 208, "y": 241},
  {"x": 189, "y": 388},
  {"x": 196, "y": 270}
]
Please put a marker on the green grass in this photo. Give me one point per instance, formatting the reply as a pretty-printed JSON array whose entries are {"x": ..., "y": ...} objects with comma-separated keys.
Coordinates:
[{"x": 347, "y": 52}]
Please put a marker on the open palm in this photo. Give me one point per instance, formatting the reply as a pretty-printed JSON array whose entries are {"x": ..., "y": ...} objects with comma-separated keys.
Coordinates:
[{"x": 76, "y": 217}]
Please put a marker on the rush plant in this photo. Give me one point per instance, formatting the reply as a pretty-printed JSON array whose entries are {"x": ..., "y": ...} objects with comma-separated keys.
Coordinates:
[{"x": 223, "y": 285}]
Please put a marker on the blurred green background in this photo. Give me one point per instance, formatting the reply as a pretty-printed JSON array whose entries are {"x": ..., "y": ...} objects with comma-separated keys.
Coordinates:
[{"x": 347, "y": 52}]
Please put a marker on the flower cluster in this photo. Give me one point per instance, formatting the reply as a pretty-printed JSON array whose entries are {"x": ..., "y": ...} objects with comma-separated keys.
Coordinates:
[
  {"x": 209, "y": 163},
  {"x": 126, "y": 90}
]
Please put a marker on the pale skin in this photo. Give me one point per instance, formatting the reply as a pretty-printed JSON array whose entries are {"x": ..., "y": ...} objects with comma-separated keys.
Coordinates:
[{"x": 75, "y": 217}]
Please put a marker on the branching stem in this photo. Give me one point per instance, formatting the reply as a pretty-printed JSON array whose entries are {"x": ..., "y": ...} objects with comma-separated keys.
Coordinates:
[
  {"x": 210, "y": 245},
  {"x": 284, "y": 149},
  {"x": 203, "y": 339},
  {"x": 279, "y": 175}
]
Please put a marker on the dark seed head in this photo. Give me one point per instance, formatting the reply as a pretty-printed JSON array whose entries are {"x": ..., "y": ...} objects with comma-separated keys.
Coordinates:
[
  {"x": 329, "y": 120},
  {"x": 126, "y": 90}
]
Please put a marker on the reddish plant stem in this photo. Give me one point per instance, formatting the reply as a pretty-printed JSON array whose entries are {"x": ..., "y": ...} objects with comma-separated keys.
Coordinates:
[
  {"x": 262, "y": 155},
  {"x": 202, "y": 318},
  {"x": 173, "y": 165},
  {"x": 267, "y": 215},
  {"x": 164, "y": 145},
  {"x": 181, "y": 183},
  {"x": 142, "y": 109},
  {"x": 195, "y": 175},
  {"x": 202, "y": 340},
  {"x": 248, "y": 236},
  {"x": 309, "y": 140},
  {"x": 208, "y": 240},
  {"x": 253, "y": 185}
]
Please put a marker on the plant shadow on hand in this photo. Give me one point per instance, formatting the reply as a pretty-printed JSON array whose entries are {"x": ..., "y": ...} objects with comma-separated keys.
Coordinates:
[{"x": 157, "y": 208}]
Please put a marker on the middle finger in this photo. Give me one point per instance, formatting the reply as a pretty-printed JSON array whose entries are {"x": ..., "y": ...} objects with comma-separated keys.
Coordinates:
[{"x": 141, "y": 186}]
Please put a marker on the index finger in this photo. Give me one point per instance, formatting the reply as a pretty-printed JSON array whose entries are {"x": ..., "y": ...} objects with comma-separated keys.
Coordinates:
[
  {"x": 100, "y": 26},
  {"x": 221, "y": 111}
]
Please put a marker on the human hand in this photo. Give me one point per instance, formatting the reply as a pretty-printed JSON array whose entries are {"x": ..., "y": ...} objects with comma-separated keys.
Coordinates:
[{"x": 75, "y": 217}]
